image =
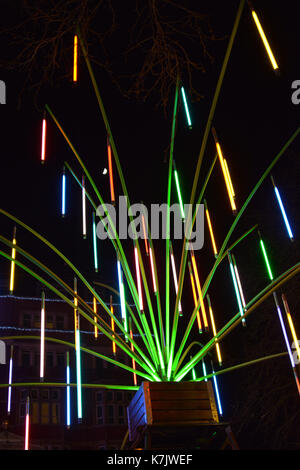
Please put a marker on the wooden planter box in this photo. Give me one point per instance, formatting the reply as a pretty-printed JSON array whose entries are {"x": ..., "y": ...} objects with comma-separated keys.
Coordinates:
[{"x": 171, "y": 404}]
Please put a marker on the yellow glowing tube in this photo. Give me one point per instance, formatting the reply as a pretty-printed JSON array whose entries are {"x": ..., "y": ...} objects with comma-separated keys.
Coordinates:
[
  {"x": 265, "y": 41},
  {"x": 195, "y": 297},
  {"x": 214, "y": 330},
  {"x": 229, "y": 178},
  {"x": 12, "y": 267},
  {"x": 199, "y": 292},
  {"x": 291, "y": 325},
  {"x": 95, "y": 318},
  {"x": 213, "y": 242},
  {"x": 75, "y": 58},
  {"x": 231, "y": 198},
  {"x": 113, "y": 327}
]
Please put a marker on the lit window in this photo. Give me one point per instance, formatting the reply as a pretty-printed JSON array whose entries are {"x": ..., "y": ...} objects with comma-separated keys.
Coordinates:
[
  {"x": 45, "y": 413},
  {"x": 35, "y": 412}
]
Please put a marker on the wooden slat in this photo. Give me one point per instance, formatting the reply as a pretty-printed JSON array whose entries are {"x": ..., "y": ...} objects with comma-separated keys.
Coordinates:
[
  {"x": 178, "y": 395},
  {"x": 181, "y": 415},
  {"x": 181, "y": 405},
  {"x": 178, "y": 385}
]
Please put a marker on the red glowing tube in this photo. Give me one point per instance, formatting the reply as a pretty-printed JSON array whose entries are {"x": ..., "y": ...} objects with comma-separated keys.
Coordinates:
[
  {"x": 110, "y": 170},
  {"x": 43, "y": 146}
]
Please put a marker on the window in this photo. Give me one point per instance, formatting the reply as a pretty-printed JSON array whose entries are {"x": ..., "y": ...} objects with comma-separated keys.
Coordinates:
[
  {"x": 49, "y": 359},
  {"x": 45, "y": 413},
  {"x": 35, "y": 412},
  {"x": 59, "y": 322},
  {"x": 26, "y": 320},
  {"x": 24, "y": 394},
  {"x": 25, "y": 358},
  {"x": 110, "y": 414},
  {"x": 99, "y": 414},
  {"x": 44, "y": 394},
  {"x": 119, "y": 396},
  {"x": 60, "y": 359},
  {"x": 49, "y": 322},
  {"x": 121, "y": 413},
  {"x": 99, "y": 396},
  {"x": 109, "y": 396},
  {"x": 37, "y": 321},
  {"x": 55, "y": 413},
  {"x": 54, "y": 395},
  {"x": 34, "y": 394}
]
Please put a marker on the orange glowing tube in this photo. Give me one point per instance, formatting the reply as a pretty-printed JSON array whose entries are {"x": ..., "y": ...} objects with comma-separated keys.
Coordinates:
[
  {"x": 152, "y": 270},
  {"x": 95, "y": 318},
  {"x": 213, "y": 242},
  {"x": 224, "y": 168},
  {"x": 113, "y": 327},
  {"x": 132, "y": 349},
  {"x": 110, "y": 171},
  {"x": 75, "y": 58},
  {"x": 291, "y": 325},
  {"x": 214, "y": 330},
  {"x": 195, "y": 297},
  {"x": 43, "y": 146},
  {"x": 12, "y": 266},
  {"x": 199, "y": 291}
]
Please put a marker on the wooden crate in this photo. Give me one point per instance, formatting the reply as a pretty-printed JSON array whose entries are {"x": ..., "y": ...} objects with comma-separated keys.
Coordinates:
[{"x": 171, "y": 403}]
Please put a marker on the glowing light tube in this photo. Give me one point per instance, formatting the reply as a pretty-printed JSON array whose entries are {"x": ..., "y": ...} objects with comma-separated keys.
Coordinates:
[
  {"x": 145, "y": 234},
  {"x": 175, "y": 277},
  {"x": 239, "y": 283},
  {"x": 152, "y": 270},
  {"x": 68, "y": 398},
  {"x": 83, "y": 208},
  {"x": 291, "y": 325},
  {"x": 236, "y": 288},
  {"x": 178, "y": 191},
  {"x": 213, "y": 242},
  {"x": 195, "y": 297},
  {"x": 78, "y": 356},
  {"x": 263, "y": 249},
  {"x": 122, "y": 296},
  {"x": 95, "y": 244},
  {"x": 132, "y": 349},
  {"x": 110, "y": 171},
  {"x": 42, "y": 347},
  {"x": 138, "y": 275},
  {"x": 283, "y": 330},
  {"x": 43, "y": 145},
  {"x": 264, "y": 40},
  {"x": 229, "y": 177},
  {"x": 199, "y": 291},
  {"x": 225, "y": 172},
  {"x": 112, "y": 322},
  {"x": 27, "y": 423},
  {"x": 217, "y": 392},
  {"x": 204, "y": 369},
  {"x": 95, "y": 318},
  {"x": 75, "y": 58},
  {"x": 63, "y": 193},
  {"x": 12, "y": 266},
  {"x": 188, "y": 117},
  {"x": 287, "y": 224},
  {"x": 10, "y": 380},
  {"x": 214, "y": 329}
]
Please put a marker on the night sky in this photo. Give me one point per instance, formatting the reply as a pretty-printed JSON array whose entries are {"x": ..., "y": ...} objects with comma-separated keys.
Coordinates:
[{"x": 254, "y": 118}]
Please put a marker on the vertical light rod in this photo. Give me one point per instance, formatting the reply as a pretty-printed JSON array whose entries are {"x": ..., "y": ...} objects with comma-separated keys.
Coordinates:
[
  {"x": 152, "y": 270},
  {"x": 110, "y": 170},
  {"x": 112, "y": 322},
  {"x": 264, "y": 40},
  {"x": 236, "y": 288},
  {"x": 42, "y": 347},
  {"x": 43, "y": 145},
  {"x": 214, "y": 329},
  {"x": 263, "y": 249},
  {"x": 75, "y": 58},
  {"x": 213, "y": 242},
  {"x": 195, "y": 297},
  {"x": 138, "y": 275},
  {"x": 10, "y": 380},
  {"x": 199, "y": 291},
  {"x": 27, "y": 423},
  {"x": 83, "y": 208},
  {"x": 188, "y": 117},
  {"x": 291, "y": 324},
  {"x": 287, "y": 224},
  {"x": 122, "y": 295},
  {"x": 63, "y": 193},
  {"x": 178, "y": 191},
  {"x": 68, "y": 414},
  {"x": 95, "y": 318},
  {"x": 78, "y": 355},
  {"x": 12, "y": 267},
  {"x": 95, "y": 244},
  {"x": 217, "y": 391}
]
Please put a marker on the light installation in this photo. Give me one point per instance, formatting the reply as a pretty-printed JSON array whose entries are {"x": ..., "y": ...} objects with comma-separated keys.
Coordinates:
[
  {"x": 95, "y": 243},
  {"x": 12, "y": 266},
  {"x": 75, "y": 58},
  {"x": 110, "y": 171},
  {"x": 43, "y": 143},
  {"x": 178, "y": 191},
  {"x": 63, "y": 193},
  {"x": 10, "y": 380},
  {"x": 281, "y": 206},
  {"x": 42, "y": 346},
  {"x": 164, "y": 346},
  {"x": 95, "y": 317},
  {"x": 263, "y": 37},
  {"x": 212, "y": 237},
  {"x": 186, "y": 108}
]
